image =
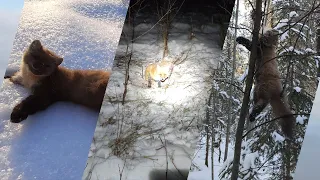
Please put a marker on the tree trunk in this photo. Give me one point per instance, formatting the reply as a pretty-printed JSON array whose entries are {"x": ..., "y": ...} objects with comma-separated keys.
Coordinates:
[
  {"x": 206, "y": 161},
  {"x": 268, "y": 14},
  {"x": 230, "y": 107},
  {"x": 165, "y": 39},
  {"x": 246, "y": 98},
  {"x": 288, "y": 159},
  {"x": 219, "y": 158},
  {"x": 128, "y": 59},
  {"x": 318, "y": 49},
  {"x": 166, "y": 26},
  {"x": 213, "y": 135},
  {"x": 209, "y": 122},
  {"x": 227, "y": 141}
]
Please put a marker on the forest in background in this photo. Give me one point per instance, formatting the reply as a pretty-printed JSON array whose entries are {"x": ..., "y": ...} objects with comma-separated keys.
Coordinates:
[
  {"x": 230, "y": 147},
  {"x": 261, "y": 151}
]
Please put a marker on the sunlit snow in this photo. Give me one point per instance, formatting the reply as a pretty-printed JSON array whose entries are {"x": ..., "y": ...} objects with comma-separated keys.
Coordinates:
[{"x": 54, "y": 144}]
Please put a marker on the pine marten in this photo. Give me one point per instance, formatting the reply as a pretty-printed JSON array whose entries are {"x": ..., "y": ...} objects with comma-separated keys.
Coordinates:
[
  {"x": 268, "y": 88},
  {"x": 49, "y": 82}
]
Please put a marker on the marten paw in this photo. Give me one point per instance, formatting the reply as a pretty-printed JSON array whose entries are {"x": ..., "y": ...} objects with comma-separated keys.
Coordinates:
[
  {"x": 16, "y": 79},
  {"x": 243, "y": 40},
  {"x": 18, "y": 114},
  {"x": 240, "y": 39}
]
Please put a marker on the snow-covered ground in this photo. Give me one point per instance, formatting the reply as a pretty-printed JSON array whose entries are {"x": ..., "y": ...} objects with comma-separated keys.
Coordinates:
[
  {"x": 130, "y": 139},
  {"x": 54, "y": 144},
  {"x": 200, "y": 171}
]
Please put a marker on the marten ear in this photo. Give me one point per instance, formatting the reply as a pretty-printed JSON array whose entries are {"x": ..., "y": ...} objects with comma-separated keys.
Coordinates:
[
  {"x": 35, "y": 46},
  {"x": 58, "y": 61}
]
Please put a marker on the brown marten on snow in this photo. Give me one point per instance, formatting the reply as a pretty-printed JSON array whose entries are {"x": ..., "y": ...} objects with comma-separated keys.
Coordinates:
[{"x": 40, "y": 72}]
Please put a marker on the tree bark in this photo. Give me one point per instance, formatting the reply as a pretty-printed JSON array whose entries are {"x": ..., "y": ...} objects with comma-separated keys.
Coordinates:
[
  {"x": 226, "y": 148},
  {"x": 213, "y": 135},
  {"x": 268, "y": 14},
  {"x": 246, "y": 98},
  {"x": 219, "y": 154},
  {"x": 166, "y": 11},
  {"x": 128, "y": 59},
  {"x": 230, "y": 108},
  {"x": 209, "y": 122},
  {"x": 206, "y": 161}
]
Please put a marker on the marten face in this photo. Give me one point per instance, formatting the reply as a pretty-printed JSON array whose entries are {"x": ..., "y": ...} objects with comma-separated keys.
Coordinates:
[
  {"x": 270, "y": 38},
  {"x": 41, "y": 61}
]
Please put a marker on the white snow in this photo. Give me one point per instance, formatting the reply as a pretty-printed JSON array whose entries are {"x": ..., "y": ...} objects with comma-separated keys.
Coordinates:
[
  {"x": 284, "y": 36},
  {"x": 291, "y": 49},
  {"x": 317, "y": 58},
  {"x": 298, "y": 89},
  {"x": 293, "y": 14},
  {"x": 262, "y": 115},
  {"x": 54, "y": 144},
  {"x": 298, "y": 32},
  {"x": 282, "y": 23},
  {"x": 277, "y": 137},
  {"x": 171, "y": 112},
  {"x": 236, "y": 100},
  {"x": 249, "y": 161},
  {"x": 224, "y": 94},
  {"x": 303, "y": 26},
  {"x": 309, "y": 50},
  {"x": 202, "y": 172},
  {"x": 300, "y": 119}
]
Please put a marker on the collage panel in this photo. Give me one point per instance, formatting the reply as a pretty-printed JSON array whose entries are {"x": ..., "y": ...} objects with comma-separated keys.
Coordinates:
[
  {"x": 263, "y": 92},
  {"x": 199, "y": 90},
  {"x": 154, "y": 108},
  {"x": 54, "y": 86},
  {"x": 307, "y": 165}
]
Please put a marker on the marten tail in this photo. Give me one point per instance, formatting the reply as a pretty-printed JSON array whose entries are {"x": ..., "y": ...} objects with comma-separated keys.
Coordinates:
[
  {"x": 245, "y": 42},
  {"x": 287, "y": 122}
]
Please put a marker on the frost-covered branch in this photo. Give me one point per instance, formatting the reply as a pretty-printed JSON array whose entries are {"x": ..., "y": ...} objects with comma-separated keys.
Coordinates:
[{"x": 306, "y": 114}]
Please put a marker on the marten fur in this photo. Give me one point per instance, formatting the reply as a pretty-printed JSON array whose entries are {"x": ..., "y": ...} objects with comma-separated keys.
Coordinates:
[
  {"x": 40, "y": 72},
  {"x": 268, "y": 88}
]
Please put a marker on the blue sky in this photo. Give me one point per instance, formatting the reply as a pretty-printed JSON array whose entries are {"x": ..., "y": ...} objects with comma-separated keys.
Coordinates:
[
  {"x": 11, "y": 4},
  {"x": 10, "y": 11}
]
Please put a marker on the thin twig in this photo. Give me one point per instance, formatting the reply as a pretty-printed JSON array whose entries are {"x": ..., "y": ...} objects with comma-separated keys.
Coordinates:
[{"x": 306, "y": 114}]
